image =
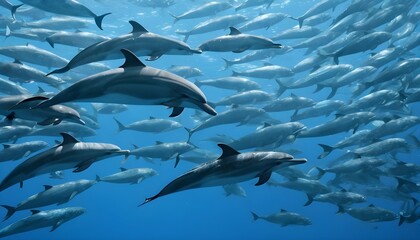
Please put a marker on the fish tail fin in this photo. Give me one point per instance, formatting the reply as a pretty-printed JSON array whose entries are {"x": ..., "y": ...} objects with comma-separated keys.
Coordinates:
[
  {"x": 121, "y": 127},
  {"x": 300, "y": 20},
  {"x": 13, "y": 10},
  {"x": 60, "y": 70},
  {"x": 327, "y": 150},
  {"x": 340, "y": 209},
  {"x": 310, "y": 200},
  {"x": 10, "y": 211},
  {"x": 98, "y": 20},
  {"x": 255, "y": 216},
  {"x": 321, "y": 172},
  {"x": 227, "y": 63},
  {"x": 332, "y": 93},
  {"x": 402, "y": 219},
  {"x": 190, "y": 133},
  {"x": 176, "y": 19},
  {"x": 98, "y": 179},
  {"x": 282, "y": 88},
  {"x": 50, "y": 41}
]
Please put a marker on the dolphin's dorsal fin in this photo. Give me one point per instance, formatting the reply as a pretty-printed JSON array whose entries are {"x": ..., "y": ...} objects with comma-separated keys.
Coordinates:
[
  {"x": 131, "y": 60},
  {"x": 35, "y": 211},
  {"x": 343, "y": 190},
  {"x": 159, "y": 142},
  {"x": 123, "y": 169},
  {"x": 46, "y": 187},
  {"x": 137, "y": 27},
  {"x": 227, "y": 151},
  {"x": 283, "y": 210},
  {"x": 17, "y": 61},
  {"x": 151, "y": 118},
  {"x": 266, "y": 124},
  {"x": 68, "y": 139},
  {"x": 371, "y": 205},
  {"x": 293, "y": 95},
  {"x": 135, "y": 146},
  {"x": 5, "y": 146},
  {"x": 234, "y": 31}
]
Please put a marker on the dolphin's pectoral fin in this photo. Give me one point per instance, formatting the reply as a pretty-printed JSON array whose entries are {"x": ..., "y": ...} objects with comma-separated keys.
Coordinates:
[
  {"x": 83, "y": 165},
  {"x": 240, "y": 50},
  {"x": 72, "y": 196},
  {"x": 176, "y": 111},
  {"x": 56, "y": 225},
  {"x": 139, "y": 180},
  {"x": 177, "y": 160},
  {"x": 154, "y": 56},
  {"x": 264, "y": 177},
  {"x": 21, "y": 184},
  {"x": 48, "y": 121},
  {"x": 27, "y": 153}
]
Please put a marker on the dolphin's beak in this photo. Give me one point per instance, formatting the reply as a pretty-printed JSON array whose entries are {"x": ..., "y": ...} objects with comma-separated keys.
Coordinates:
[
  {"x": 197, "y": 51},
  {"x": 208, "y": 109},
  {"x": 296, "y": 161}
]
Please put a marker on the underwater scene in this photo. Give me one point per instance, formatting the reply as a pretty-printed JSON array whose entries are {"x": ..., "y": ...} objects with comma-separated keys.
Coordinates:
[{"x": 200, "y": 119}]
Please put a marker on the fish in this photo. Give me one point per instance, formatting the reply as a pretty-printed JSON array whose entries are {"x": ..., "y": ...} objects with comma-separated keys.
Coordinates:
[
  {"x": 135, "y": 83},
  {"x": 284, "y": 218},
  {"x": 69, "y": 8},
  {"x": 132, "y": 176},
  {"x": 231, "y": 167},
  {"x": 70, "y": 153},
  {"x": 58, "y": 194},
  {"x": 41, "y": 219},
  {"x": 237, "y": 42}
]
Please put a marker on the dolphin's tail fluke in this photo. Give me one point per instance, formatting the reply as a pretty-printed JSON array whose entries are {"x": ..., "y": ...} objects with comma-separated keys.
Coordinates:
[
  {"x": 340, "y": 210},
  {"x": 121, "y": 127},
  {"x": 255, "y": 216},
  {"x": 327, "y": 150},
  {"x": 60, "y": 70},
  {"x": 190, "y": 133},
  {"x": 13, "y": 10},
  {"x": 321, "y": 172},
  {"x": 10, "y": 211},
  {"x": 98, "y": 20}
]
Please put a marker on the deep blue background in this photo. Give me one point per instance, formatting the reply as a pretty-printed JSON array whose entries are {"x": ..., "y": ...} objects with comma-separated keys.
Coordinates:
[{"x": 112, "y": 211}]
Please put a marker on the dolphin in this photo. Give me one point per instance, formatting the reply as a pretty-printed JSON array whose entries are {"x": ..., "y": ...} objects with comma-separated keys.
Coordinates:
[
  {"x": 58, "y": 194},
  {"x": 41, "y": 219},
  {"x": 231, "y": 167},
  {"x": 139, "y": 41},
  {"x": 68, "y": 8},
  {"x": 71, "y": 153},
  {"x": 135, "y": 83}
]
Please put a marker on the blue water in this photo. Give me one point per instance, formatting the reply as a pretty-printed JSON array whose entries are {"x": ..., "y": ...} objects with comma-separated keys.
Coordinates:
[{"x": 111, "y": 209}]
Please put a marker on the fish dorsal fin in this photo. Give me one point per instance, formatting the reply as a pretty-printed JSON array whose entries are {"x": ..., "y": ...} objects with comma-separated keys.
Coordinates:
[
  {"x": 159, "y": 142},
  {"x": 17, "y": 61},
  {"x": 6, "y": 146},
  {"x": 227, "y": 151},
  {"x": 68, "y": 139},
  {"x": 46, "y": 187},
  {"x": 283, "y": 210},
  {"x": 371, "y": 205},
  {"x": 234, "y": 31},
  {"x": 123, "y": 169},
  {"x": 137, "y": 27},
  {"x": 131, "y": 60},
  {"x": 35, "y": 211},
  {"x": 151, "y": 118}
]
